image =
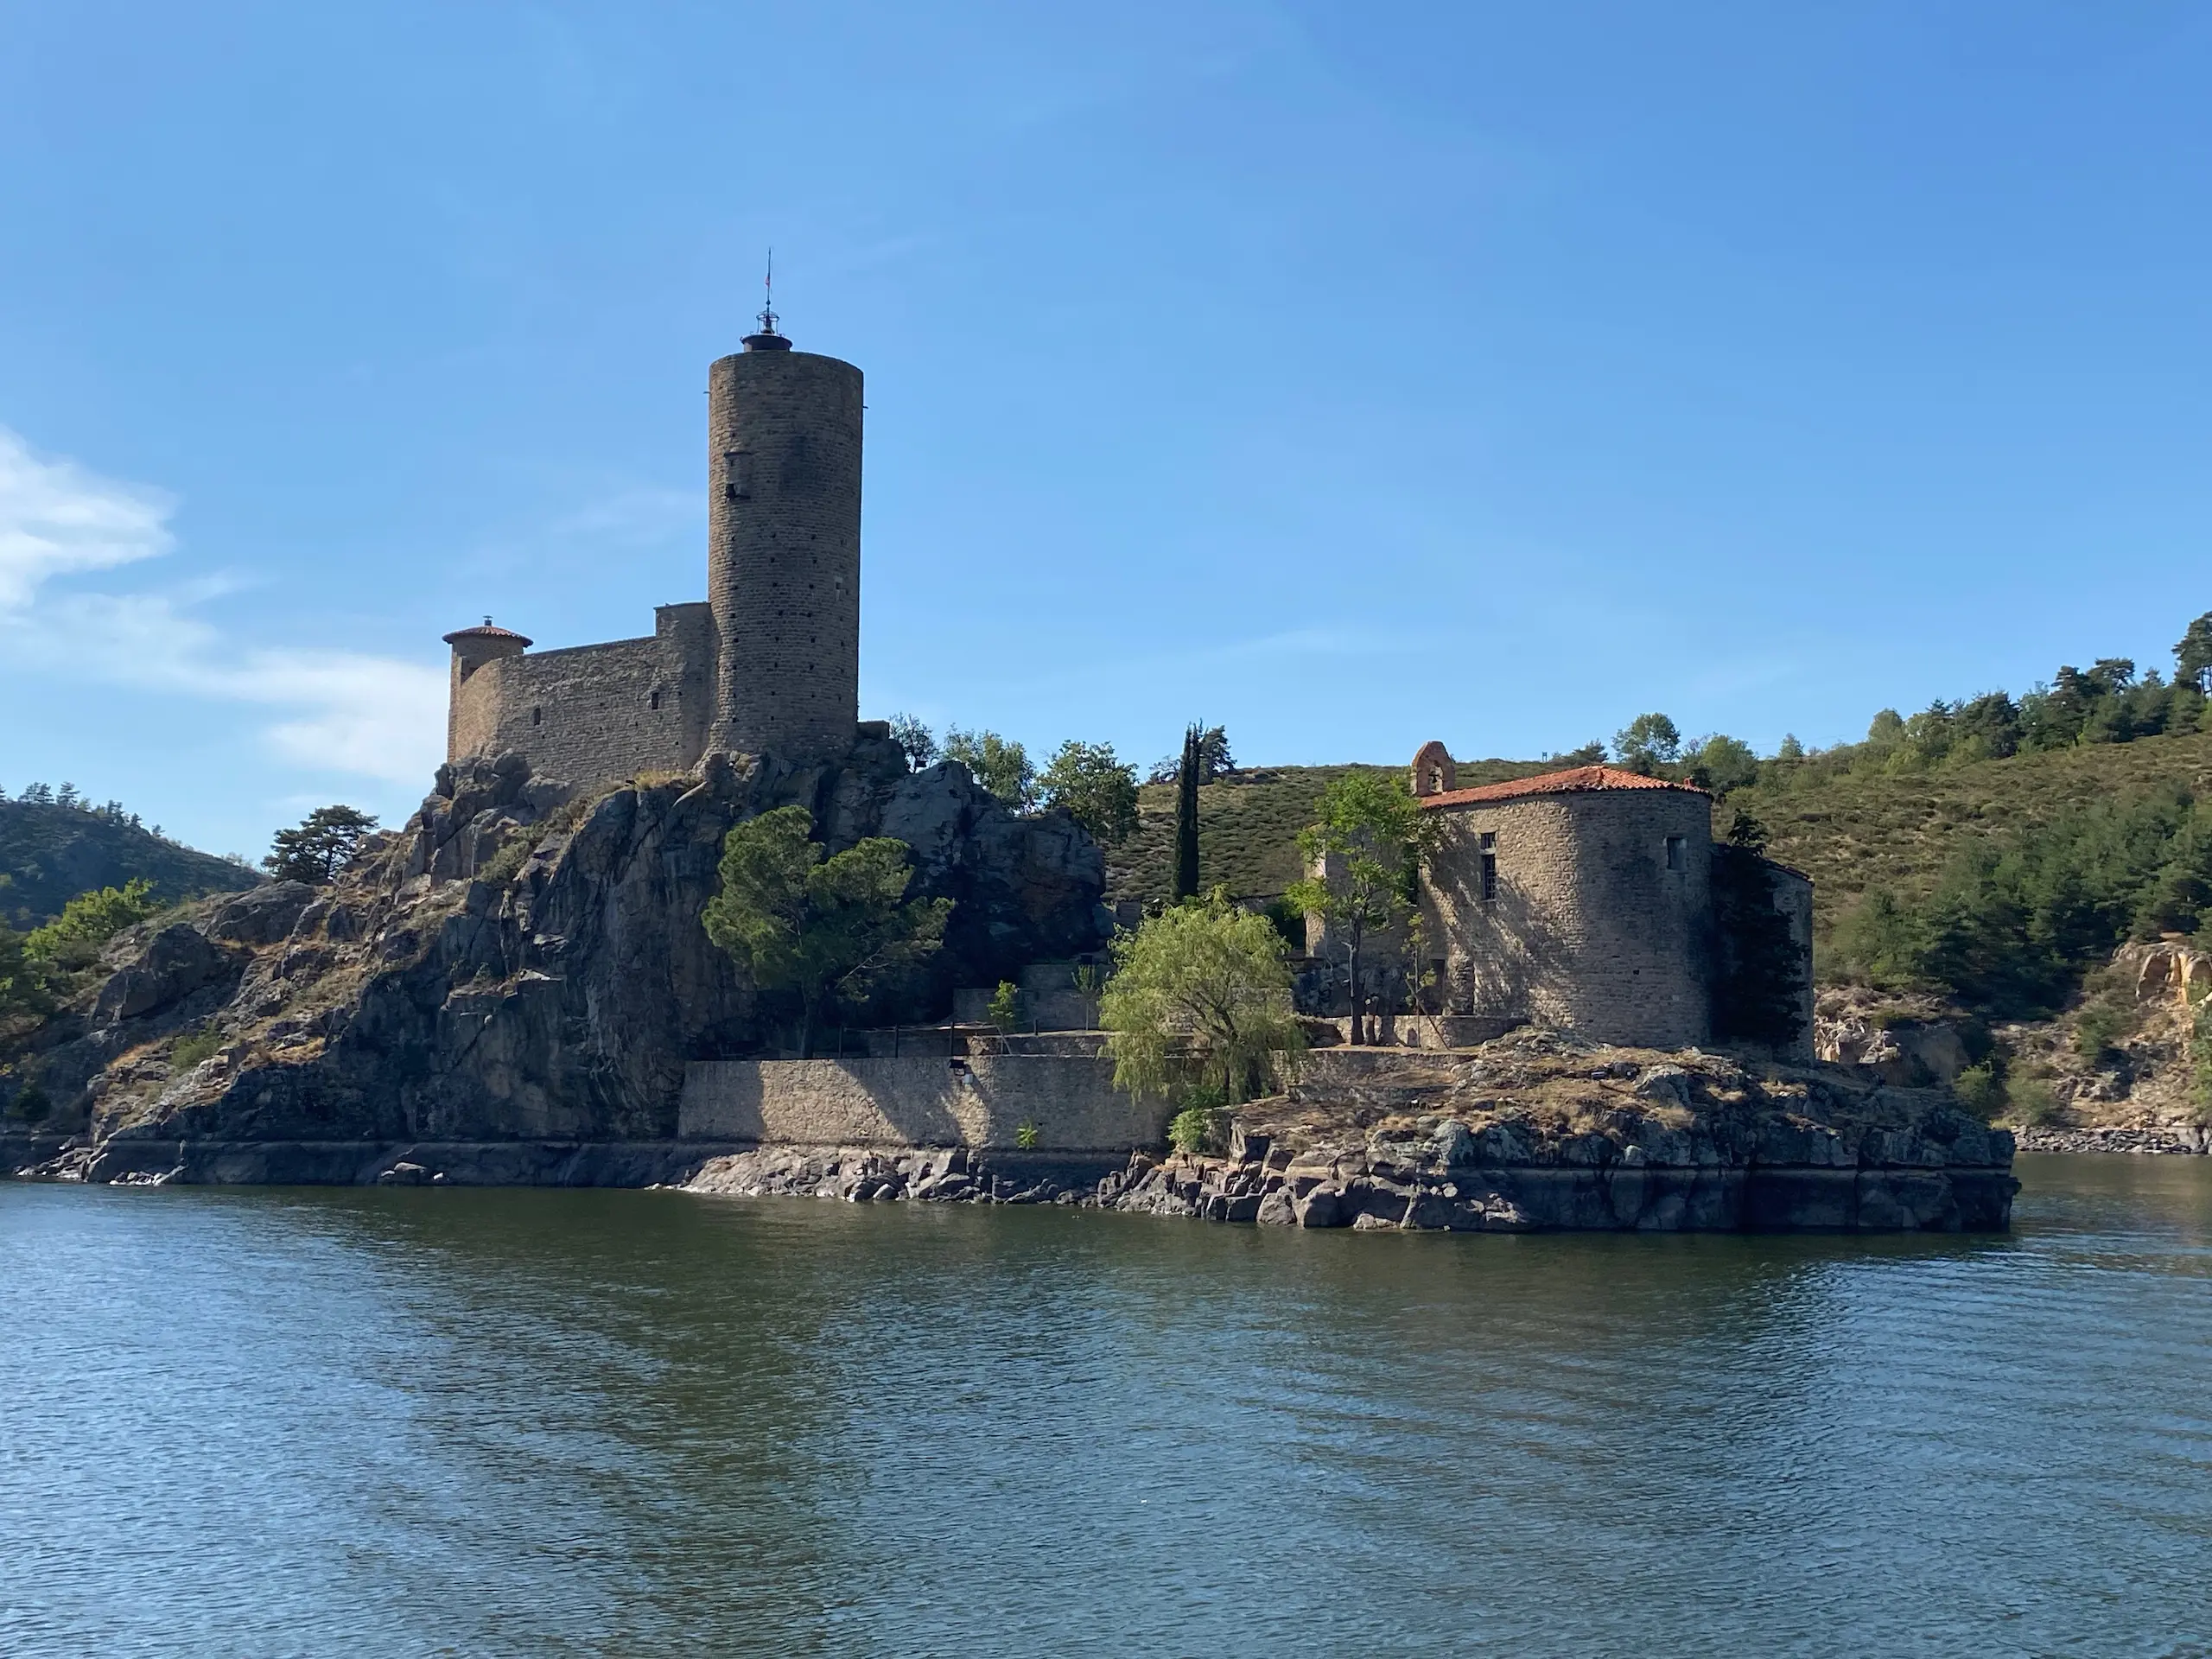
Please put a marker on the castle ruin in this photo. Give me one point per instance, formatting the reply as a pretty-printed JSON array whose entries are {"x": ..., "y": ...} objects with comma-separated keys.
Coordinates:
[{"x": 768, "y": 663}]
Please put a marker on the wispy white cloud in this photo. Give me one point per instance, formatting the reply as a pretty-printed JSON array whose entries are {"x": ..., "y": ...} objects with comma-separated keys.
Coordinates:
[
  {"x": 332, "y": 710},
  {"x": 57, "y": 518}
]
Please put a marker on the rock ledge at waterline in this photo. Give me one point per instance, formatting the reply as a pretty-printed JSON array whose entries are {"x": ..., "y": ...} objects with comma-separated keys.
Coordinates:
[{"x": 1527, "y": 1133}]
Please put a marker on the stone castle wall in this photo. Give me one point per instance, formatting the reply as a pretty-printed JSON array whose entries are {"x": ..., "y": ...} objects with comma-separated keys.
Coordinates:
[
  {"x": 1590, "y": 931},
  {"x": 595, "y": 713},
  {"x": 769, "y": 664},
  {"x": 783, "y": 551},
  {"x": 1070, "y": 1100}
]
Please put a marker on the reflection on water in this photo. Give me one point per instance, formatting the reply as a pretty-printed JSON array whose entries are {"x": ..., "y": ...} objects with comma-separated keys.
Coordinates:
[{"x": 533, "y": 1422}]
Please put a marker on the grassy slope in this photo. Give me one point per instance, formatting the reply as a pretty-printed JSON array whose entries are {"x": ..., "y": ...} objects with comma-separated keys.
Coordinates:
[
  {"x": 1248, "y": 831},
  {"x": 51, "y": 853},
  {"x": 1848, "y": 833}
]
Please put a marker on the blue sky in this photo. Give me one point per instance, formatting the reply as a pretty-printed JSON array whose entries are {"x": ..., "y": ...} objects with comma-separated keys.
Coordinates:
[{"x": 1347, "y": 374}]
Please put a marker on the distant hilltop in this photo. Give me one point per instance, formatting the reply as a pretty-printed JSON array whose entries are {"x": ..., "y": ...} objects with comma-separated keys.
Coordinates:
[{"x": 54, "y": 846}]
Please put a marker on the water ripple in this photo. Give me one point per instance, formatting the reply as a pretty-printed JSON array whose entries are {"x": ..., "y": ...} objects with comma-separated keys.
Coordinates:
[{"x": 258, "y": 1422}]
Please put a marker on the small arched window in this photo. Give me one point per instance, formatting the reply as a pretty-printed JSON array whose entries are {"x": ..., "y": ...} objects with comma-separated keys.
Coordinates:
[{"x": 537, "y": 717}]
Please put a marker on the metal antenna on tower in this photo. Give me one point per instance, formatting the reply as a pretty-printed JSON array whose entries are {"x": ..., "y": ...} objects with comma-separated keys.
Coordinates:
[{"x": 768, "y": 297}]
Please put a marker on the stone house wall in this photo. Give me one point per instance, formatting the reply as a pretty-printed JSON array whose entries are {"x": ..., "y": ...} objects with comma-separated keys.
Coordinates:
[{"x": 1590, "y": 932}]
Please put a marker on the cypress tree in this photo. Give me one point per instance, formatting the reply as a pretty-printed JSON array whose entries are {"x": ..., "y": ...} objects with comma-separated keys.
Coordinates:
[{"x": 1187, "y": 818}]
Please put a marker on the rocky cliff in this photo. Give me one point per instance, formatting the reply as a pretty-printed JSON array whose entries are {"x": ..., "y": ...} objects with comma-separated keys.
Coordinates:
[{"x": 520, "y": 963}]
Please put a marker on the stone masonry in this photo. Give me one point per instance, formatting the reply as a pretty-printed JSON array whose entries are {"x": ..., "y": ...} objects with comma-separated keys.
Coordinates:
[
  {"x": 769, "y": 664},
  {"x": 1581, "y": 901}
]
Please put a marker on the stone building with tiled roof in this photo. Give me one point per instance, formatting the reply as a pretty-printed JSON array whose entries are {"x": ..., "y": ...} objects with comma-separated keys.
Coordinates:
[{"x": 1595, "y": 901}]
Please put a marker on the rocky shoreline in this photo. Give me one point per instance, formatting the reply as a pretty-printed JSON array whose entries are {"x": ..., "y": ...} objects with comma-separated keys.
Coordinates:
[
  {"x": 2138, "y": 1141},
  {"x": 1534, "y": 1133}
]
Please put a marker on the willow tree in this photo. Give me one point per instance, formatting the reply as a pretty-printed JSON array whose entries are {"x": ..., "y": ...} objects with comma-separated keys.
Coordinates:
[
  {"x": 1200, "y": 993},
  {"x": 825, "y": 929}
]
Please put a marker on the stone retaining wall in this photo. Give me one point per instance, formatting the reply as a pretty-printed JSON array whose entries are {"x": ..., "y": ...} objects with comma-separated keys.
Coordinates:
[{"x": 979, "y": 1102}]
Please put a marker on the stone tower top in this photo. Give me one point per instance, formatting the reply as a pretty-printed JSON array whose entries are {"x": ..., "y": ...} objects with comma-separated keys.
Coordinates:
[{"x": 766, "y": 337}]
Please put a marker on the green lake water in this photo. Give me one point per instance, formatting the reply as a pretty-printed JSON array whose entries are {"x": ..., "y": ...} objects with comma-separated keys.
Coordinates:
[{"x": 438, "y": 1420}]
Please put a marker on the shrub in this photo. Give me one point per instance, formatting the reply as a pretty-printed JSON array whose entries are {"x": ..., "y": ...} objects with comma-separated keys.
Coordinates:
[
  {"x": 1005, "y": 1010},
  {"x": 1027, "y": 1134},
  {"x": 189, "y": 1050},
  {"x": 1190, "y": 1129},
  {"x": 1981, "y": 1090},
  {"x": 2099, "y": 1028},
  {"x": 2029, "y": 1102},
  {"x": 505, "y": 864}
]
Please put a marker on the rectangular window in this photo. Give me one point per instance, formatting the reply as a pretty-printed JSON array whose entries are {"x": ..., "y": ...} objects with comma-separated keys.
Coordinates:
[
  {"x": 1490, "y": 866},
  {"x": 1674, "y": 852}
]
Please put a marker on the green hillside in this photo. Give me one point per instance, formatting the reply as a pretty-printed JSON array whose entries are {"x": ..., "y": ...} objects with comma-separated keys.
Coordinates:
[
  {"x": 1854, "y": 833},
  {"x": 1248, "y": 827},
  {"x": 1852, "y": 825},
  {"x": 51, "y": 853}
]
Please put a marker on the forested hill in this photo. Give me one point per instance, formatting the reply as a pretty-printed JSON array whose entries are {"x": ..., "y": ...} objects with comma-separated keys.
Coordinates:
[{"x": 49, "y": 853}]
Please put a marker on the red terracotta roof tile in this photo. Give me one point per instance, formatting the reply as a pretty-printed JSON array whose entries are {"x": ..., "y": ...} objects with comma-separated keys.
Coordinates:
[
  {"x": 1571, "y": 782},
  {"x": 487, "y": 632}
]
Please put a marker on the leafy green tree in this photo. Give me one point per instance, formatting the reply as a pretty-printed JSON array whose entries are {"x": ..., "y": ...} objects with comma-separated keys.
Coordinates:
[
  {"x": 24, "y": 991},
  {"x": 1200, "y": 993},
  {"x": 72, "y": 939},
  {"x": 1005, "y": 1008},
  {"x": 1090, "y": 781},
  {"x": 319, "y": 846},
  {"x": 908, "y": 732},
  {"x": 825, "y": 930},
  {"x": 1721, "y": 762},
  {"x": 998, "y": 764},
  {"x": 2193, "y": 655},
  {"x": 1365, "y": 849},
  {"x": 1187, "y": 777},
  {"x": 1215, "y": 761},
  {"x": 1649, "y": 744}
]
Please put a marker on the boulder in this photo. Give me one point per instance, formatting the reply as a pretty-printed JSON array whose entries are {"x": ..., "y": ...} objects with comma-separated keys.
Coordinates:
[
  {"x": 264, "y": 915},
  {"x": 177, "y": 961}
]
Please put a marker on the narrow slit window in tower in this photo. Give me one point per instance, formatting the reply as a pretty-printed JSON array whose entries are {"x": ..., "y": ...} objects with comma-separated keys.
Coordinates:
[
  {"x": 1490, "y": 866},
  {"x": 536, "y": 716},
  {"x": 1674, "y": 852},
  {"x": 653, "y": 700}
]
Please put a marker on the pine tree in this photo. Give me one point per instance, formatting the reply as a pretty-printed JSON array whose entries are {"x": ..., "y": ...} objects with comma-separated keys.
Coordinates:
[{"x": 1186, "y": 815}]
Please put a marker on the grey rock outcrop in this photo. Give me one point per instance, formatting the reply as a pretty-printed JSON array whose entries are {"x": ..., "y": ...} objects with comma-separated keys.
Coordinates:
[{"x": 522, "y": 962}]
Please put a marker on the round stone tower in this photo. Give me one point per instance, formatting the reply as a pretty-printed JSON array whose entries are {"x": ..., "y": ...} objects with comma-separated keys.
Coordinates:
[{"x": 783, "y": 548}]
